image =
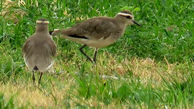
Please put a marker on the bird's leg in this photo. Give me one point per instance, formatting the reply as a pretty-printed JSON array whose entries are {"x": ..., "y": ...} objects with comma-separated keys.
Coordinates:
[
  {"x": 41, "y": 73},
  {"x": 33, "y": 76},
  {"x": 81, "y": 50},
  {"x": 95, "y": 54}
]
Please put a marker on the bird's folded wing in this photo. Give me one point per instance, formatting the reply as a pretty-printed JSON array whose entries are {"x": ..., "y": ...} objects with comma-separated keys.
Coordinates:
[
  {"x": 90, "y": 29},
  {"x": 52, "y": 47},
  {"x": 27, "y": 46}
]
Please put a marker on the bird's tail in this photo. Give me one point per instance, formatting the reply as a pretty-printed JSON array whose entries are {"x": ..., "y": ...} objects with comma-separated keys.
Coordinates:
[
  {"x": 55, "y": 32},
  {"x": 35, "y": 68}
]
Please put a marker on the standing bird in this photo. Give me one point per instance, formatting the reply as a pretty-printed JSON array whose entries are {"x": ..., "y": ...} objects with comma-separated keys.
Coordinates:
[
  {"x": 39, "y": 49},
  {"x": 98, "y": 32}
]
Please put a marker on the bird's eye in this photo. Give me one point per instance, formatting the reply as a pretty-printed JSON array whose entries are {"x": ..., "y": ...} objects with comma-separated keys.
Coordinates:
[{"x": 128, "y": 17}]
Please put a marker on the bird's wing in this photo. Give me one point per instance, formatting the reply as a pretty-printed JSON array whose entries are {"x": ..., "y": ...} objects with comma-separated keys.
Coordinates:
[
  {"x": 95, "y": 28},
  {"x": 27, "y": 45},
  {"x": 52, "y": 47}
]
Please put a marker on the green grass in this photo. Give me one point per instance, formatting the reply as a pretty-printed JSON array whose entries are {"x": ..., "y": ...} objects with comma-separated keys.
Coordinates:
[{"x": 153, "y": 63}]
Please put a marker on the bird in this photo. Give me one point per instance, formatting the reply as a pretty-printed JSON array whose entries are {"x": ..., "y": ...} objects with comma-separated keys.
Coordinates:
[
  {"x": 98, "y": 32},
  {"x": 39, "y": 50}
]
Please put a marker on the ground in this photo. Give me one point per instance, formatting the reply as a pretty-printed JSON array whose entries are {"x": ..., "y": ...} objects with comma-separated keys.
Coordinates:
[{"x": 148, "y": 67}]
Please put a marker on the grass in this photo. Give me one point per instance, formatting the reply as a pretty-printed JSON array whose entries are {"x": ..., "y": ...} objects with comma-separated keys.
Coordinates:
[{"x": 149, "y": 67}]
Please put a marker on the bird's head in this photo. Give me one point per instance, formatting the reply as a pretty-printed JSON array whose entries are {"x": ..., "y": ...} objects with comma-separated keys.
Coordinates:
[
  {"x": 42, "y": 25},
  {"x": 42, "y": 22},
  {"x": 127, "y": 17}
]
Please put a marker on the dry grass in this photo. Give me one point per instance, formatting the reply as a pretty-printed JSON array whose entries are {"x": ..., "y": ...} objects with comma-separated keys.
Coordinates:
[
  {"x": 26, "y": 94},
  {"x": 10, "y": 10},
  {"x": 147, "y": 70}
]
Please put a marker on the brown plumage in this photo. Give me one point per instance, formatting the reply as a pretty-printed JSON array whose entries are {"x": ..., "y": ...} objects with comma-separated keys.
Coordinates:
[
  {"x": 39, "y": 49},
  {"x": 98, "y": 32}
]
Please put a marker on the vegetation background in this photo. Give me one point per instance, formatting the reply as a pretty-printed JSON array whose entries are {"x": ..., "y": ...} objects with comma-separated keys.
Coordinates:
[{"x": 149, "y": 67}]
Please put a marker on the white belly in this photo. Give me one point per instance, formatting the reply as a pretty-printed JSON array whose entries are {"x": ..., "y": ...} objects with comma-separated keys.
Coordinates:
[
  {"x": 94, "y": 43},
  {"x": 99, "y": 43}
]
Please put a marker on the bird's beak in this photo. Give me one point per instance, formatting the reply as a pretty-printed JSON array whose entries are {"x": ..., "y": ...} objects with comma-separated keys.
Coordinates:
[{"x": 136, "y": 23}]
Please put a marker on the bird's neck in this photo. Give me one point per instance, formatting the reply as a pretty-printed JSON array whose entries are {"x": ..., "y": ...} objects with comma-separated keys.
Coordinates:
[
  {"x": 122, "y": 22},
  {"x": 121, "y": 19},
  {"x": 42, "y": 29}
]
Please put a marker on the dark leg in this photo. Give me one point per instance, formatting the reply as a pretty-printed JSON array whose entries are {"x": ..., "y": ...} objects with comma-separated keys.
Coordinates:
[
  {"x": 33, "y": 77},
  {"x": 41, "y": 73},
  {"x": 85, "y": 53},
  {"x": 95, "y": 54}
]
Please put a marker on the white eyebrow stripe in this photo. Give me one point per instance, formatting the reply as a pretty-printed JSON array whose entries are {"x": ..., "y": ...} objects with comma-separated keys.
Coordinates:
[
  {"x": 46, "y": 22},
  {"x": 125, "y": 14}
]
